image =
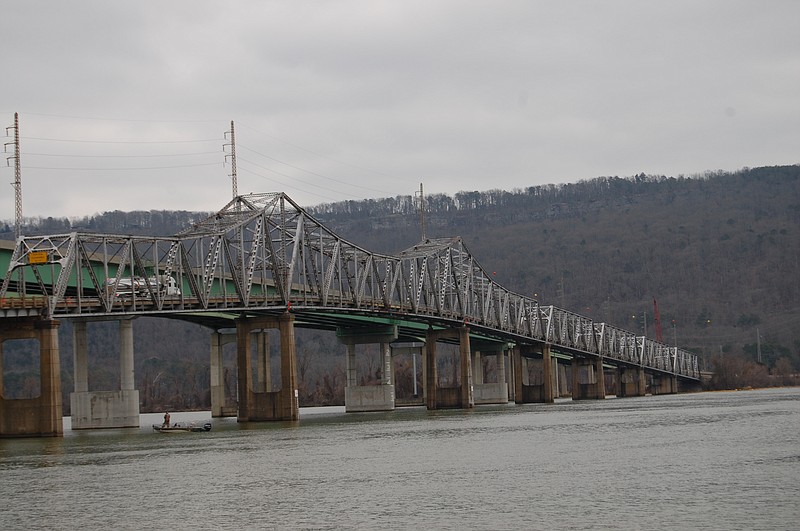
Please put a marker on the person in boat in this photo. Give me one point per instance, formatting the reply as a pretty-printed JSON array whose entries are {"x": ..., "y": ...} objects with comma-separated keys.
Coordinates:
[{"x": 166, "y": 420}]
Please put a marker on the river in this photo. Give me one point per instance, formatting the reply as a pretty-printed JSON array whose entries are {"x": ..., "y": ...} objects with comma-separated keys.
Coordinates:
[{"x": 719, "y": 461}]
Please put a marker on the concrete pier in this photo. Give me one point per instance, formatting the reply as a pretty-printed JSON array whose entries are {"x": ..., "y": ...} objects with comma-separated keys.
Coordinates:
[
  {"x": 461, "y": 396},
  {"x": 562, "y": 380},
  {"x": 631, "y": 381},
  {"x": 40, "y": 416},
  {"x": 359, "y": 398},
  {"x": 489, "y": 392},
  {"x": 588, "y": 380},
  {"x": 534, "y": 378},
  {"x": 664, "y": 384},
  {"x": 414, "y": 349},
  {"x": 104, "y": 409},
  {"x": 267, "y": 405}
]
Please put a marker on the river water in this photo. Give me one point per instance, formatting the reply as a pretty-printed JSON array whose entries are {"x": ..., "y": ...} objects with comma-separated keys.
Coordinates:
[{"x": 722, "y": 461}]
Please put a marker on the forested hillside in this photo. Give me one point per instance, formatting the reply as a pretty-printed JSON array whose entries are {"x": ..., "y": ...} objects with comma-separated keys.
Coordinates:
[{"x": 719, "y": 252}]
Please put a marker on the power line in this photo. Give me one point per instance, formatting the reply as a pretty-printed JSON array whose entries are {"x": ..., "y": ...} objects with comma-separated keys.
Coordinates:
[
  {"x": 137, "y": 168},
  {"x": 336, "y": 190},
  {"x": 312, "y": 172},
  {"x": 122, "y": 156},
  {"x": 284, "y": 185},
  {"x": 106, "y": 119},
  {"x": 312, "y": 152},
  {"x": 295, "y": 179},
  {"x": 123, "y": 141}
]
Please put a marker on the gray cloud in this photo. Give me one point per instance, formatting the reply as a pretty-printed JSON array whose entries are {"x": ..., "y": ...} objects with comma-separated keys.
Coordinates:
[{"x": 348, "y": 100}]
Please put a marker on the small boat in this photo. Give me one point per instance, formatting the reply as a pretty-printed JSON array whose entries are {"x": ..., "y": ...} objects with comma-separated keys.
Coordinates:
[{"x": 179, "y": 427}]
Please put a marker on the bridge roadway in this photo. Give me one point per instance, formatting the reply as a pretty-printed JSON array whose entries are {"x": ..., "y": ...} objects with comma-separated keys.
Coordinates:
[{"x": 262, "y": 262}]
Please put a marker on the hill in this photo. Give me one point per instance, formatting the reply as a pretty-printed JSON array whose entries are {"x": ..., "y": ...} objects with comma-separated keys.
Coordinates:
[{"x": 720, "y": 253}]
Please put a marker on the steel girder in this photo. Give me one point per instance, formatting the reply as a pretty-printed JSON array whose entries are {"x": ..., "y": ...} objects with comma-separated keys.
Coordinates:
[{"x": 264, "y": 251}]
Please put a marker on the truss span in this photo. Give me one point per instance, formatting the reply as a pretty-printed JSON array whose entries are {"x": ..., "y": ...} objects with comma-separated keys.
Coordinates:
[{"x": 263, "y": 252}]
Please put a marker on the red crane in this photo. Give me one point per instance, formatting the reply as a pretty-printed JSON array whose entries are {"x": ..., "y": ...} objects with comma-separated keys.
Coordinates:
[{"x": 659, "y": 337}]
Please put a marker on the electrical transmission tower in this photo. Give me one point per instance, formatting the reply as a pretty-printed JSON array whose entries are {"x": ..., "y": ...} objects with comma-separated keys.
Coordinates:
[
  {"x": 234, "y": 184},
  {"x": 421, "y": 208},
  {"x": 17, "y": 177}
]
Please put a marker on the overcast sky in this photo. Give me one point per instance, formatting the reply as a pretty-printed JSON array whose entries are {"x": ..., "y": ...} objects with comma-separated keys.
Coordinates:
[{"x": 124, "y": 106}]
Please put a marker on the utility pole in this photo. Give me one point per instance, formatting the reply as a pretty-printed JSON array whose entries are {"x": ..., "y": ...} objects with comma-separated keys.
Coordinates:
[
  {"x": 17, "y": 195},
  {"x": 17, "y": 177},
  {"x": 674, "y": 334},
  {"x": 758, "y": 344},
  {"x": 421, "y": 208},
  {"x": 234, "y": 185},
  {"x": 644, "y": 322}
]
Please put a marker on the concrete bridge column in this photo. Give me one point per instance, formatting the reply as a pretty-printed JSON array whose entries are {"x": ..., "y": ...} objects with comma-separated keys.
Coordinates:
[
  {"x": 111, "y": 408},
  {"x": 268, "y": 405},
  {"x": 380, "y": 397},
  {"x": 80, "y": 362},
  {"x": 520, "y": 373},
  {"x": 556, "y": 379},
  {"x": 290, "y": 402},
  {"x": 220, "y": 406},
  {"x": 467, "y": 385},
  {"x": 513, "y": 354},
  {"x": 600, "y": 379},
  {"x": 430, "y": 375},
  {"x": 642, "y": 380},
  {"x": 561, "y": 385},
  {"x": 547, "y": 375},
  {"x": 423, "y": 357},
  {"x": 564, "y": 384},
  {"x": 40, "y": 416},
  {"x": 577, "y": 369},
  {"x": 500, "y": 363},
  {"x": 126, "y": 356},
  {"x": 217, "y": 376},
  {"x": 387, "y": 377},
  {"x": 477, "y": 367},
  {"x": 352, "y": 373}
]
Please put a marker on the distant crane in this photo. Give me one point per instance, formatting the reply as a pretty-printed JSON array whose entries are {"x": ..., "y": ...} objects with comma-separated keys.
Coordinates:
[{"x": 657, "y": 315}]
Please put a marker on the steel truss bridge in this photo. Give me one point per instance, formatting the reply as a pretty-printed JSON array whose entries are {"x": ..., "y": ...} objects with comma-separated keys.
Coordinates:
[{"x": 263, "y": 254}]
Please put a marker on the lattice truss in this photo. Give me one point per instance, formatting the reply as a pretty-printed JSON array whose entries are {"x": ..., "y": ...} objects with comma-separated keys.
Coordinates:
[{"x": 264, "y": 251}]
